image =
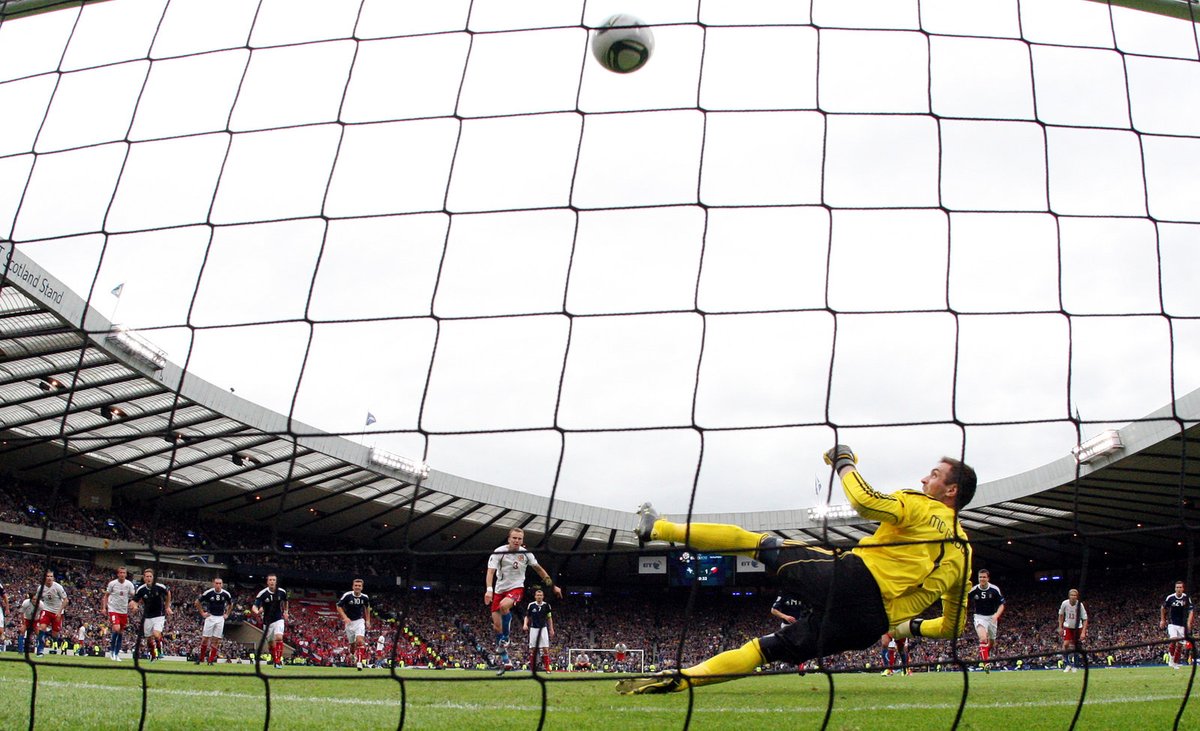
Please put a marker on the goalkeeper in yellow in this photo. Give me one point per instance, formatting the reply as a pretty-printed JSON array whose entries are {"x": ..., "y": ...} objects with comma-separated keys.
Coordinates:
[{"x": 917, "y": 556}]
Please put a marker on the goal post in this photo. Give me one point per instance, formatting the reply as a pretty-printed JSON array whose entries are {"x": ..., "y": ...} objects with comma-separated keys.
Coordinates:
[{"x": 604, "y": 659}]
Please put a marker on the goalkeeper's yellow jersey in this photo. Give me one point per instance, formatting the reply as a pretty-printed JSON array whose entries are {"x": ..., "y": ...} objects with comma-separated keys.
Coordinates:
[{"x": 919, "y": 554}]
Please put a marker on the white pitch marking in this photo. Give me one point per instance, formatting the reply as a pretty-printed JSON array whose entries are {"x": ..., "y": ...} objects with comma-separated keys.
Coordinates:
[{"x": 623, "y": 708}]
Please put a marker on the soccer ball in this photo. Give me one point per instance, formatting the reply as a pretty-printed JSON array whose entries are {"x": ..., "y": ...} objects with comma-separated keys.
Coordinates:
[{"x": 622, "y": 44}]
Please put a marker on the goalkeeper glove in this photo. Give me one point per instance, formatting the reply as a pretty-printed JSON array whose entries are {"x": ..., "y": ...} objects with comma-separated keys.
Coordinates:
[{"x": 841, "y": 456}]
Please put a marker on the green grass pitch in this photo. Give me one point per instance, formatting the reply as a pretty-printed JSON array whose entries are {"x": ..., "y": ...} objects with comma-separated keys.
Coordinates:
[{"x": 106, "y": 695}]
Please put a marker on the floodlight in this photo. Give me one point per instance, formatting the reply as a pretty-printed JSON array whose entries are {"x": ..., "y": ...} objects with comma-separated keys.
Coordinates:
[
  {"x": 137, "y": 347},
  {"x": 832, "y": 512},
  {"x": 1104, "y": 443},
  {"x": 412, "y": 468}
]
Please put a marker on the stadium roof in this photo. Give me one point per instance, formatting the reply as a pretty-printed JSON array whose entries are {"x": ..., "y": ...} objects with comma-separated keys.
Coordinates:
[{"x": 85, "y": 402}]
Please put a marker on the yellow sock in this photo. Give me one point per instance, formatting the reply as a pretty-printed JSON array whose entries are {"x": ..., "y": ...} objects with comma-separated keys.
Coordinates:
[
  {"x": 731, "y": 664},
  {"x": 709, "y": 536}
]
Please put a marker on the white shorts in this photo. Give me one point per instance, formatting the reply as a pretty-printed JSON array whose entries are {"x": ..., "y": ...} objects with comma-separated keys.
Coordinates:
[
  {"x": 1176, "y": 631},
  {"x": 357, "y": 628},
  {"x": 539, "y": 637},
  {"x": 152, "y": 625},
  {"x": 214, "y": 626},
  {"x": 988, "y": 623},
  {"x": 275, "y": 628}
]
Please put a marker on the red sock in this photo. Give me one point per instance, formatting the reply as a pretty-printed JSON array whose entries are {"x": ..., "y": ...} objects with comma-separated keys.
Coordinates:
[
  {"x": 1173, "y": 648},
  {"x": 212, "y": 652},
  {"x": 277, "y": 652},
  {"x": 546, "y": 661},
  {"x": 984, "y": 651}
]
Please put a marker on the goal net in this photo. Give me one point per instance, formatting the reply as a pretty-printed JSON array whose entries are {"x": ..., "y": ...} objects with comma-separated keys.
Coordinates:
[
  {"x": 442, "y": 230},
  {"x": 606, "y": 660}
]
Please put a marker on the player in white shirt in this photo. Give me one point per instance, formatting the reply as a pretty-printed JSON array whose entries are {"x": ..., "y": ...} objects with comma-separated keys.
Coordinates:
[
  {"x": 52, "y": 603},
  {"x": 1073, "y": 621},
  {"x": 115, "y": 604},
  {"x": 3, "y": 612},
  {"x": 29, "y": 613},
  {"x": 506, "y": 585}
]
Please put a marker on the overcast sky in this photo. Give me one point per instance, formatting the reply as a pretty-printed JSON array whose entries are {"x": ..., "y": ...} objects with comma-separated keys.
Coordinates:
[{"x": 791, "y": 227}]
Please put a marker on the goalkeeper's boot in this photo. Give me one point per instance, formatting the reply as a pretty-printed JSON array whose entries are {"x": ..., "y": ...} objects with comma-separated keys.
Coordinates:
[
  {"x": 666, "y": 681},
  {"x": 645, "y": 527}
]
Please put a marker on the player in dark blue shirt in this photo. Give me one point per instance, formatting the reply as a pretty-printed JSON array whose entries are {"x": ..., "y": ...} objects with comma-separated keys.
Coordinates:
[
  {"x": 539, "y": 623},
  {"x": 155, "y": 599},
  {"x": 272, "y": 604},
  {"x": 214, "y": 606},
  {"x": 989, "y": 607},
  {"x": 788, "y": 608},
  {"x": 1176, "y": 618},
  {"x": 354, "y": 609}
]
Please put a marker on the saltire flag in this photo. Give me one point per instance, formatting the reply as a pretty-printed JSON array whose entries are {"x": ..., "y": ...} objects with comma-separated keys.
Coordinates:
[
  {"x": 370, "y": 418},
  {"x": 116, "y": 291}
]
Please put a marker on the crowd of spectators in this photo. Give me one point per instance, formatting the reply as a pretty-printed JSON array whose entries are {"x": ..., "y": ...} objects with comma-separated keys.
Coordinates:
[
  {"x": 27, "y": 503},
  {"x": 451, "y": 628}
]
